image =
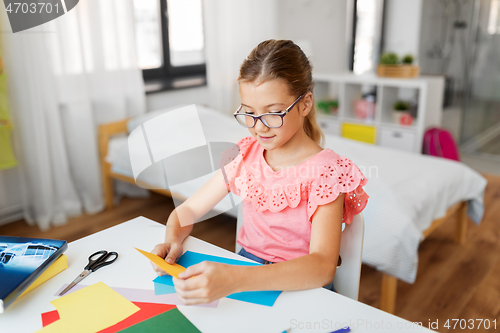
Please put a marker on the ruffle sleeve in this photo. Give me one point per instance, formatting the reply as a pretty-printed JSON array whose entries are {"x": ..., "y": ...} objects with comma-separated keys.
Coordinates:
[
  {"x": 342, "y": 176},
  {"x": 231, "y": 162}
]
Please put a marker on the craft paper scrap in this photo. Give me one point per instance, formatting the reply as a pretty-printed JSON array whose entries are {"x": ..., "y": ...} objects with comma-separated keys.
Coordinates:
[
  {"x": 173, "y": 270},
  {"x": 90, "y": 309},
  {"x": 172, "y": 321},
  {"x": 49, "y": 317},
  {"x": 142, "y": 295},
  {"x": 267, "y": 297},
  {"x": 163, "y": 288},
  {"x": 147, "y": 310}
]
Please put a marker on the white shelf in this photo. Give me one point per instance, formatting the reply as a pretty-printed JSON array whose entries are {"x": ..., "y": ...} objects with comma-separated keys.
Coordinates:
[{"x": 427, "y": 91}]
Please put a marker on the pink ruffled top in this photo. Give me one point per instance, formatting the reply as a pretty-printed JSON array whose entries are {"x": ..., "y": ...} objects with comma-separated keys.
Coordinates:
[{"x": 278, "y": 206}]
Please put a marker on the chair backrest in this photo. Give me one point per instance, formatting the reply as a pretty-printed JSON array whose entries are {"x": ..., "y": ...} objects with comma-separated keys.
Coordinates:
[{"x": 347, "y": 276}]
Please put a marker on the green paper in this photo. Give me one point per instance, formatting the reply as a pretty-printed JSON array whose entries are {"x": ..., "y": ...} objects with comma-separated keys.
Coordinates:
[{"x": 172, "y": 321}]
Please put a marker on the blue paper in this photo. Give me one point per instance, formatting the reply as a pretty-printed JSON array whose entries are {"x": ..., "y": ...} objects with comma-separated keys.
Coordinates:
[
  {"x": 163, "y": 288},
  {"x": 189, "y": 258}
]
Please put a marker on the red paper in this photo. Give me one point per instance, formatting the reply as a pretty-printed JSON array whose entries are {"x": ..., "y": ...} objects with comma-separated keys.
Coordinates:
[
  {"x": 147, "y": 310},
  {"x": 49, "y": 317}
]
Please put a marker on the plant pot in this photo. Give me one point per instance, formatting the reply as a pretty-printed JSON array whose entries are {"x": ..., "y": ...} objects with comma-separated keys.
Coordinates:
[
  {"x": 402, "y": 117},
  {"x": 397, "y": 71}
]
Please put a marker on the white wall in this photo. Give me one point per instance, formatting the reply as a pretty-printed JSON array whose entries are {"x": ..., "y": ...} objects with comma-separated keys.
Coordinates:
[
  {"x": 402, "y": 27},
  {"x": 319, "y": 27}
]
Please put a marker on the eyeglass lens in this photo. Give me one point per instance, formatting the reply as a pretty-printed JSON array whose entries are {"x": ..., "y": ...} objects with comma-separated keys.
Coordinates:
[{"x": 269, "y": 120}]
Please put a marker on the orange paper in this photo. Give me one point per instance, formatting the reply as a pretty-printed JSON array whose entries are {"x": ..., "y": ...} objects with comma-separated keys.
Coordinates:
[{"x": 173, "y": 270}]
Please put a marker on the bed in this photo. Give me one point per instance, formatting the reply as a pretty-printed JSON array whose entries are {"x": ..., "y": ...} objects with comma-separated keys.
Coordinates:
[{"x": 410, "y": 194}]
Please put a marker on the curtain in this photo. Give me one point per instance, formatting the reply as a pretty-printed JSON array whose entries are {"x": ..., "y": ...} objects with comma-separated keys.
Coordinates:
[
  {"x": 66, "y": 77},
  {"x": 232, "y": 30}
]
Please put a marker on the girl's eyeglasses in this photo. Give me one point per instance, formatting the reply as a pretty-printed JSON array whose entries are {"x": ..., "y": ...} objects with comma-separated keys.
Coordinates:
[{"x": 271, "y": 120}]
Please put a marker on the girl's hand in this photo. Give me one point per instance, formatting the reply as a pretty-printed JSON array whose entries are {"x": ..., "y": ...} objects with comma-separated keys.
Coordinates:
[
  {"x": 170, "y": 250},
  {"x": 206, "y": 282}
]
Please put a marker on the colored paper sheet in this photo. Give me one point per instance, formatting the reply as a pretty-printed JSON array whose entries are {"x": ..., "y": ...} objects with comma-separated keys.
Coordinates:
[
  {"x": 172, "y": 321},
  {"x": 90, "y": 309},
  {"x": 163, "y": 288},
  {"x": 142, "y": 295},
  {"x": 49, "y": 317},
  {"x": 266, "y": 297},
  {"x": 190, "y": 258},
  {"x": 57, "y": 266},
  {"x": 147, "y": 310},
  {"x": 173, "y": 270}
]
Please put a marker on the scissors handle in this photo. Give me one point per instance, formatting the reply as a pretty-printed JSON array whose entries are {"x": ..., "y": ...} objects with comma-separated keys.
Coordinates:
[{"x": 100, "y": 259}]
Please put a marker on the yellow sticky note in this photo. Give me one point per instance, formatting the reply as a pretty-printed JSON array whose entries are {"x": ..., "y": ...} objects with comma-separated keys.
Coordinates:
[
  {"x": 90, "y": 309},
  {"x": 173, "y": 270}
]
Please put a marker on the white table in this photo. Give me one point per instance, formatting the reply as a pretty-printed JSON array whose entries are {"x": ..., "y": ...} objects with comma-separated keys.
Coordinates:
[{"x": 318, "y": 308}]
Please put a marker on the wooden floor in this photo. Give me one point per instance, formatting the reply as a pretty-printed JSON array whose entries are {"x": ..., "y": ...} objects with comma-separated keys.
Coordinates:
[{"x": 453, "y": 281}]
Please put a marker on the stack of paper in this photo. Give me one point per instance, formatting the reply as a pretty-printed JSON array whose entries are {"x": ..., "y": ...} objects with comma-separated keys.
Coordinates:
[{"x": 98, "y": 308}]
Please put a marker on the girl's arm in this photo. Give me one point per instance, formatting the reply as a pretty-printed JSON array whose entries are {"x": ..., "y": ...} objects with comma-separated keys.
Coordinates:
[
  {"x": 181, "y": 220},
  {"x": 212, "y": 281}
]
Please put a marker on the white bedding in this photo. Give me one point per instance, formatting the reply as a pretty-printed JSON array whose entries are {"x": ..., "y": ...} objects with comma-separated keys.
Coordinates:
[{"x": 407, "y": 191}]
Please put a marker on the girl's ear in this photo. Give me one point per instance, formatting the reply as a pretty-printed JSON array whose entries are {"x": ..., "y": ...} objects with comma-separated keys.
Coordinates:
[{"x": 308, "y": 103}]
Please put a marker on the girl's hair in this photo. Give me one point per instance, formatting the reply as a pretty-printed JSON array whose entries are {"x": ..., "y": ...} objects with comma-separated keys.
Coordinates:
[{"x": 283, "y": 59}]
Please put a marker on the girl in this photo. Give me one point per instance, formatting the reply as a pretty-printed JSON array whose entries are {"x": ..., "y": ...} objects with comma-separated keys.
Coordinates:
[{"x": 295, "y": 193}]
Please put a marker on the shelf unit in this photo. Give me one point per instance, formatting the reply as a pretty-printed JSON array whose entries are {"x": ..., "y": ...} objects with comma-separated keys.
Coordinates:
[{"x": 427, "y": 91}]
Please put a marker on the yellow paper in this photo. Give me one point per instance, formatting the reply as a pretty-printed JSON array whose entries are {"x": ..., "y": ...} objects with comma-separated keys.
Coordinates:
[
  {"x": 90, "y": 309},
  {"x": 173, "y": 270},
  {"x": 58, "y": 266}
]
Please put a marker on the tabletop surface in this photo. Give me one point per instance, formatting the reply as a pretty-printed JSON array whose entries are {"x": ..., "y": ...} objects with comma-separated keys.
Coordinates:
[{"x": 314, "y": 310}]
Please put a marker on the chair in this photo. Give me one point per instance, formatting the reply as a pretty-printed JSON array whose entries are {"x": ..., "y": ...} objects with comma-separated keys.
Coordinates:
[{"x": 347, "y": 276}]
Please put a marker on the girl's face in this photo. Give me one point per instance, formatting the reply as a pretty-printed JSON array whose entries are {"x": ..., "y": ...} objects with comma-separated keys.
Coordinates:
[{"x": 273, "y": 96}]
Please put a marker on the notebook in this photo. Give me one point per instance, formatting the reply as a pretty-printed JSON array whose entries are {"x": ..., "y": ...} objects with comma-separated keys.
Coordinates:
[{"x": 22, "y": 261}]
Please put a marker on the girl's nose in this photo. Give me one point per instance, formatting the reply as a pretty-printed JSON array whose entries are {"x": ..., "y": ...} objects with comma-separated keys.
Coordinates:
[{"x": 260, "y": 127}]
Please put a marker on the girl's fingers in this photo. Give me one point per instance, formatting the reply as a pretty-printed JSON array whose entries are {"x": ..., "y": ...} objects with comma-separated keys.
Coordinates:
[
  {"x": 193, "y": 270},
  {"x": 197, "y": 293},
  {"x": 192, "y": 301},
  {"x": 193, "y": 283},
  {"x": 174, "y": 252}
]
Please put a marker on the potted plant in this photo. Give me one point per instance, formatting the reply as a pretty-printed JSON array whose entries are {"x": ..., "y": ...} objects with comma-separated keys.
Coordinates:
[
  {"x": 407, "y": 59},
  {"x": 401, "y": 114},
  {"x": 329, "y": 106},
  {"x": 390, "y": 65}
]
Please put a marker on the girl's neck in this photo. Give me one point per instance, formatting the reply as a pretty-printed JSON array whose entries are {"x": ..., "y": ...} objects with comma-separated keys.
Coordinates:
[{"x": 299, "y": 147}]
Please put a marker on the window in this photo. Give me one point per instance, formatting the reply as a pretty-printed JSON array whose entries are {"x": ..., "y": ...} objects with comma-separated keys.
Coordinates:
[
  {"x": 170, "y": 43},
  {"x": 366, "y": 36},
  {"x": 494, "y": 22}
]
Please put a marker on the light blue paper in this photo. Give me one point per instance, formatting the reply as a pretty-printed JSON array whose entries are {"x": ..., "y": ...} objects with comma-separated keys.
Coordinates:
[
  {"x": 162, "y": 288},
  {"x": 189, "y": 258}
]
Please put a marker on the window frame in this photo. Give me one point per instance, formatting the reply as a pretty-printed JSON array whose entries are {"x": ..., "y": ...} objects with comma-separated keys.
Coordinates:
[
  {"x": 352, "y": 25},
  {"x": 166, "y": 71}
]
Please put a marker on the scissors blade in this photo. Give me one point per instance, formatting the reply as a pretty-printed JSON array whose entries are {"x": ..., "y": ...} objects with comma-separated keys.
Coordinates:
[{"x": 79, "y": 278}]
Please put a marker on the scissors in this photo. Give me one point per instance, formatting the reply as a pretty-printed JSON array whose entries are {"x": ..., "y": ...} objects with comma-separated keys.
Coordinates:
[{"x": 96, "y": 261}]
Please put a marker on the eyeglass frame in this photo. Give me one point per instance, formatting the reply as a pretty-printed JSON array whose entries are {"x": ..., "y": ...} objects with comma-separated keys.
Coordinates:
[{"x": 255, "y": 118}]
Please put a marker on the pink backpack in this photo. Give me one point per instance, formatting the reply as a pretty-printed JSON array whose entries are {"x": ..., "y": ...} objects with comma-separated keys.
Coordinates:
[{"x": 439, "y": 142}]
